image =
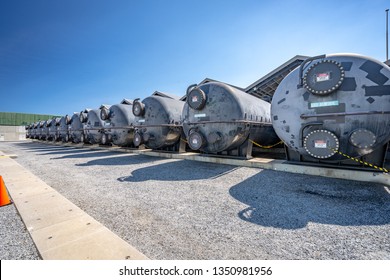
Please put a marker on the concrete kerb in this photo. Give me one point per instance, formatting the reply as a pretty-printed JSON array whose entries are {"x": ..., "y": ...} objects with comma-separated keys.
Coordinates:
[{"x": 59, "y": 229}]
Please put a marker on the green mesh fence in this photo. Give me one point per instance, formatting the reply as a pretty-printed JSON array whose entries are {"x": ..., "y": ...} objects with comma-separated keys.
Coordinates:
[{"x": 17, "y": 119}]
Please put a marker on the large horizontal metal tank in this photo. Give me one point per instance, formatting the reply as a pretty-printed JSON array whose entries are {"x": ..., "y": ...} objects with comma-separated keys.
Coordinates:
[
  {"x": 333, "y": 107},
  {"x": 94, "y": 126},
  {"x": 119, "y": 123},
  {"x": 28, "y": 129},
  {"x": 53, "y": 129},
  {"x": 38, "y": 129},
  {"x": 49, "y": 130},
  {"x": 218, "y": 117},
  {"x": 63, "y": 128},
  {"x": 158, "y": 123},
  {"x": 44, "y": 129},
  {"x": 76, "y": 128},
  {"x": 35, "y": 130}
]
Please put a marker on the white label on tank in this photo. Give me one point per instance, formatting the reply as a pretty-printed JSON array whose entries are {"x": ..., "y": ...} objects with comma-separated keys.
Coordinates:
[
  {"x": 141, "y": 121},
  {"x": 324, "y": 104},
  {"x": 200, "y": 115},
  {"x": 320, "y": 144},
  {"x": 322, "y": 77}
]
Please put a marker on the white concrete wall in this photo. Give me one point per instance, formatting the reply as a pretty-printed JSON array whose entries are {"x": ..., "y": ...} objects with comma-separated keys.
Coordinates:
[{"x": 12, "y": 133}]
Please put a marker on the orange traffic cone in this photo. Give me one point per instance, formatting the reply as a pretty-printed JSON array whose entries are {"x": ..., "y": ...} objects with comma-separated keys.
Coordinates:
[{"x": 4, "y": 198}]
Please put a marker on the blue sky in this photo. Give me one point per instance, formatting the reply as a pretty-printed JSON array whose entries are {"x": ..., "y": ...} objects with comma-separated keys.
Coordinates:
[{"x": 58, "y": 57}]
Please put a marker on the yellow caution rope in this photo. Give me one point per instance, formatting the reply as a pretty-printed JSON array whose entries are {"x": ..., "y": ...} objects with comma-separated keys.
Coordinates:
[
  {"x": 361, "y": 161},
  {"x": 266, "y": 147}
]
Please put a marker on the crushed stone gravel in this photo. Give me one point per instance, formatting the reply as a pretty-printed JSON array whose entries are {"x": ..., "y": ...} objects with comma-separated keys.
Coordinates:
[{"x": 179, "y": 209}]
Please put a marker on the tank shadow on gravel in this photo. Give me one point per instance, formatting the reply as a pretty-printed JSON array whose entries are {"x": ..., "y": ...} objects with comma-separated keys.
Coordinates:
[
  {"x": 181, "y": 170},
  {"x": 69, "y": 151},
  {"x": 291, "y": 201},
  {"x": 87, "y": 153},
  {"x": 45, "y": 149},
  {"x": 40, "y": 146},
  {"x": 81, "y": 154},
  {"x": 120, "y": 160}
]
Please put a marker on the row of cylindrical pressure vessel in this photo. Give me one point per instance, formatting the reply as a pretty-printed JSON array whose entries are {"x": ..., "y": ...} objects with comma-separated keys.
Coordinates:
[
  {"x": 212, "y": 118},
  {"x": 331, "y": 109}
]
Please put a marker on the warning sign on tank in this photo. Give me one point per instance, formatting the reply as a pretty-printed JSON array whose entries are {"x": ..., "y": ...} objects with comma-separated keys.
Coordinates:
[
  {"x": 320, "y": 144},
  {"x": 322, "y": 77}
]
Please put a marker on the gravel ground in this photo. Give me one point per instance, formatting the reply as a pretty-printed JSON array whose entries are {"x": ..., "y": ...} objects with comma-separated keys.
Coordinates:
[
  {"x": 178, "y": 209},
  {"x": 15, "y": 242}
]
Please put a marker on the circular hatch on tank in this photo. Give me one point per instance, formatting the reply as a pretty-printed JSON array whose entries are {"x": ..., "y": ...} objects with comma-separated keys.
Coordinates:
[
  {"x": 104, "y": 114},
  {"x": 195, "y": 141},
  {"x": 196, "y": 99},
  {"x": 83, "y": 117},
  {"x": 362, "y": 138},
  {"x": 104, "y": 139},
  {"x": 137, "y": 140},
  {"x": 68, "y": 119},
  {"x": 324, "y": 77},
  {"x": 321, "y": 144},
  {"x": 138, "y": 108}
]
